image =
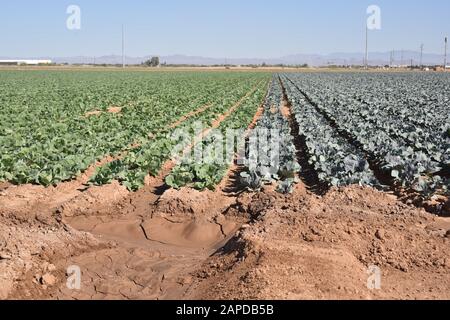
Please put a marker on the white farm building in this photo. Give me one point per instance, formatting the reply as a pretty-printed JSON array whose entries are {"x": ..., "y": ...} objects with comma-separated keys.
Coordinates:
[{"x": 25, "y": 62}]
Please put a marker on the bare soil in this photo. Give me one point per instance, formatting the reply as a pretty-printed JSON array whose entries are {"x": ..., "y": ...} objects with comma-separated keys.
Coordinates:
[
  {"x": 211, "y": 245},
  {"x": 308, "y": 247}
]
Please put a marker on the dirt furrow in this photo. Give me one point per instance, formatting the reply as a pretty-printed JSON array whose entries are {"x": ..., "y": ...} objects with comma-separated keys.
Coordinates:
[
  {"x": 308, "y": 174},
  {"x": 230, "y": 182}
]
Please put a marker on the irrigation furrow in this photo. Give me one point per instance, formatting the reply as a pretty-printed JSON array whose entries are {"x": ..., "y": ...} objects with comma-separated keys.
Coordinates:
[{"x": 307, "y": 174}]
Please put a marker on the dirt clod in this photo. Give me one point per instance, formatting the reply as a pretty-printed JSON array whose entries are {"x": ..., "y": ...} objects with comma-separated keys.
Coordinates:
[
  {"x": 380, "y": 234},
  {"x": 48, "y": 280},
  {"x": 5, "y": 256}
]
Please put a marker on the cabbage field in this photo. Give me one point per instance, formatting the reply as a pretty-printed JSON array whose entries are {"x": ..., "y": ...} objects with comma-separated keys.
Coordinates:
[
  {"x": 378, "y": 129},
  {"x": 388, "y": 131},
  {"x": 47, "y": 137}
]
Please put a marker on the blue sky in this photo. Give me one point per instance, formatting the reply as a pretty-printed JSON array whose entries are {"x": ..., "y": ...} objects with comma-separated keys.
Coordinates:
[{"x": 219, "y": 28}]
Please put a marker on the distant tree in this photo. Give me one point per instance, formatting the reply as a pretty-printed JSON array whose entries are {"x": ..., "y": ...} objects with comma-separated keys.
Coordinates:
[
  {"x": 264, "y": 64},
  {"x": 153, "y": 62}
]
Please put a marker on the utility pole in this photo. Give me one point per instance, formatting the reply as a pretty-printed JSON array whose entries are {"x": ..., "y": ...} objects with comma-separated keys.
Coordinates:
[
  {"x": 421, "y": 56},
  {"x": 366, "y": 60},
  {"x": 123, "y": 47},
  {"x": 445, "y": 54},
  {"x": 401, "y": 62}
]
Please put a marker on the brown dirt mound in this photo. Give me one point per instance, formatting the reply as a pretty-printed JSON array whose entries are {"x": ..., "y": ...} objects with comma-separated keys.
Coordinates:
[
  {"x": 26, "y": 246},
  {"x": 95, "y": 200},
  {"x": 189, "y": 202},
  {"x": 305, "y": 247}
]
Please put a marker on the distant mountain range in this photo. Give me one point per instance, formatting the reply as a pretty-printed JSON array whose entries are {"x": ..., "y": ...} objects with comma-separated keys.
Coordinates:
[{"x": 339, "y": 58}]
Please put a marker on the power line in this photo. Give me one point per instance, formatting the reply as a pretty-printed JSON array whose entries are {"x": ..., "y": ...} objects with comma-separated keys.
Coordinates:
[
  {"x": 421, "y": 55},
  {"x": 123, "y": 47},
  {"x": 366, "y": 59},
  {"x": 445, "y": 54}
]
